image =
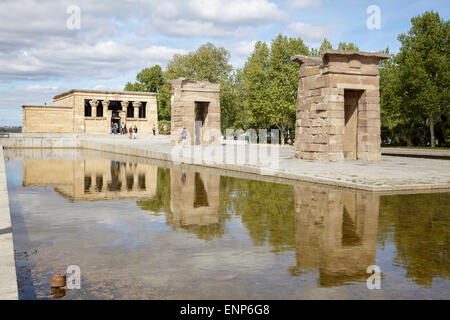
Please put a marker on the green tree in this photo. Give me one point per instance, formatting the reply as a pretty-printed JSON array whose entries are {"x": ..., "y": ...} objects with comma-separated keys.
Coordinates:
[
  {"x": 347, "y": 46},
  {"x": 424, "y": 71},
  {"x": 207, "y": 63},
  {"x": 256, "y": 78},
  {"x": 271, "y": 83},
  {"x": 283, "y": 82},
  {"x": 152, "y": 80},
  {"x": 233, "y": 111},
  {"x": 326, "y": 45}
]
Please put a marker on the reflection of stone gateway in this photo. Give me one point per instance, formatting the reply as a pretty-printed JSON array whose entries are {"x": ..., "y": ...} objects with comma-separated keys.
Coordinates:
[
  {"x": 194, "y": 198},
  {"x": 336, "y": 232},
  {"x": 94, "y": 179}
]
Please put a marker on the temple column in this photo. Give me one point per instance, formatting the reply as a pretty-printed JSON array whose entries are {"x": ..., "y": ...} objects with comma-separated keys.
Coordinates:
[
  {"x": 94, "y": 103},
  {"x": 107, "y": 114},
  {"x": 124, "y": 105},
  {"x": 136, "y": 106},
  {"x": 123, "y": 112}
]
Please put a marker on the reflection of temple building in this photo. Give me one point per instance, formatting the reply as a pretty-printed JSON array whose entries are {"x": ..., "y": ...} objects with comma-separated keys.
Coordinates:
[
  {"x": 336, "y": 233},
  {"x": 194, "y": 198},
  {"x": 94, "y": 179}
]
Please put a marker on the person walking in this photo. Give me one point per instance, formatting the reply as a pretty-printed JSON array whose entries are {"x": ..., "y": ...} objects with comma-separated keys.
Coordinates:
[
  {"x": 183, "y": 136},
  {"x": 135, "y": 130},
  {"x": 130, "y": 132},
  {"x": 154, "y": 129}
]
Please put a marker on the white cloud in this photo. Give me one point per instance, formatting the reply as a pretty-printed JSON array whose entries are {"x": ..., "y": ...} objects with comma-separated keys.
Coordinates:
[
  {"x": 242, "y": 48},
  {"x": 104, "y": 59},
  {"x": 216, "y": 18},
  {"x": 103, "y": 87},
  {"x": 311, "y": 33},
  {"x": 304, "y": 4},
  {"x": 116, "y": 38},
  {"x": 12, "y": 98}
]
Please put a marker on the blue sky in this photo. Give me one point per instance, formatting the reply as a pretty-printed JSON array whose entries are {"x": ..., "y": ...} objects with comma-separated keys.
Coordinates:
[{"x": 41, "y": 57}]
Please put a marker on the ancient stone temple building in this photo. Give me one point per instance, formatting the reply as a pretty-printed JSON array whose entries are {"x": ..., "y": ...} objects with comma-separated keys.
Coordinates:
[
  {"x": 89, "y": 111},
  {"x": 196, "y": 107},
  {"x": 338, "y": 106}
]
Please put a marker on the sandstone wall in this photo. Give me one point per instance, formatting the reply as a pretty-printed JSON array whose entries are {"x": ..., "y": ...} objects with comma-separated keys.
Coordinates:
[
  {"x": 47, "y": 119},
  {"x": 185, "y": 94}
]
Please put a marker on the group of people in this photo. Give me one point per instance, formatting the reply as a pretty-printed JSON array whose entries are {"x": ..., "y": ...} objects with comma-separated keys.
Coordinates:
[
  {"x": 387, "y": 141},
  {"x": 132, "y": 131}
]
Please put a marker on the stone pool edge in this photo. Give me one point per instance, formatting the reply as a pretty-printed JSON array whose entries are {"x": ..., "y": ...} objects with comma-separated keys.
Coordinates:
[
  {"x": 8, "y": 277},
  {"x": 81, "y": 141},
  {"x": 258, "y": 171}
]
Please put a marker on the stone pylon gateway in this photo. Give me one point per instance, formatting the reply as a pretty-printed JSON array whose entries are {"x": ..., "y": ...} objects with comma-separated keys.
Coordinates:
[
  {"x": 195, "y": 106},
  {"x": 338, "y": 106}
]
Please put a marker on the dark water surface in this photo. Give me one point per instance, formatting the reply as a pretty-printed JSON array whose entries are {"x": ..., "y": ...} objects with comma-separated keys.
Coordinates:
[{"x": 138, "y": 231}]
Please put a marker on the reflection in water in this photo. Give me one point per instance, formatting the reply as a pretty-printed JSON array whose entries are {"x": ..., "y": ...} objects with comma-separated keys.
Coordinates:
[
  {"x": 266, "y": 210},
  {"x": 93, "y": 179},
  {"x": 201, "y": 196},
  {"x": 419, "y": 226},
  {"x": 187, "y": 229},
  {"x": 336, "y": 234},
  {"x": 57, "y": 292},
  {"x": 191, "y": 201},
  {"x": 189, "y": 194}
]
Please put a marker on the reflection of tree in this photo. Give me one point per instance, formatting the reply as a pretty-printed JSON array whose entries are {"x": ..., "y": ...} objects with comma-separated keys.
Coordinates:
[
  {"x": 161, "y": 201},
  {"x": 418, "y": 225},
  {"x": 266, "y": 209}
]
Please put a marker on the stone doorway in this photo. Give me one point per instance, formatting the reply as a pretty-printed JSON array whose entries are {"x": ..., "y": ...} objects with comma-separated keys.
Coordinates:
[
  {"x": 350, "y": 138},
  {"x": 201, "y": 113}
]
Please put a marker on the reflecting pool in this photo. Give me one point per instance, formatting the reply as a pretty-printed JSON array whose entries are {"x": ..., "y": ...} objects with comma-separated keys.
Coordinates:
[{"x": 142, "y": 229}]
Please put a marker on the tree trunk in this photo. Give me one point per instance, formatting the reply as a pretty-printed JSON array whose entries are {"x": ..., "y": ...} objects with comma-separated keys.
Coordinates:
[
  {"x": 282, "y": 136},
  {"x": 432, "y": 142}
]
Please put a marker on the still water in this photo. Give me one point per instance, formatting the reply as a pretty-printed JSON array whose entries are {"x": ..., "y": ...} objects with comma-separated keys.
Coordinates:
[{"x": 146, "y": 231}]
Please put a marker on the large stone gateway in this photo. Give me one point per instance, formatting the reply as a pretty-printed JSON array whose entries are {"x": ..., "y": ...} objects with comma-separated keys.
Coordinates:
[
  {"x": 196, "y": 107},
  {"x": 338, "y": 106}
]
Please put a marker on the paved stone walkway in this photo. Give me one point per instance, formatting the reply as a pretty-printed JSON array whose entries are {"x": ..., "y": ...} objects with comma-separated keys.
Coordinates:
[
  {"x": 417, "y": 153},
  {"x": 392, "y": 173},
  {"x": 8, "y": 280}
]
